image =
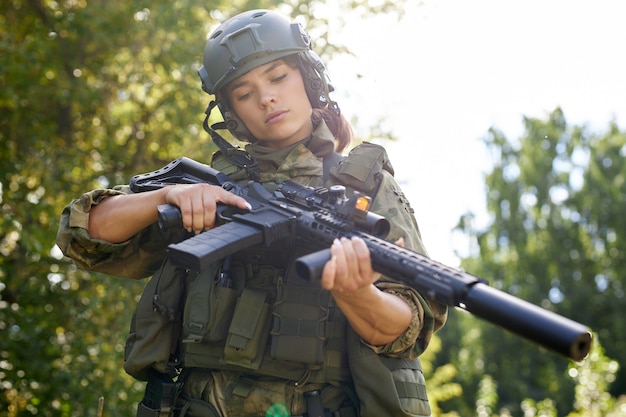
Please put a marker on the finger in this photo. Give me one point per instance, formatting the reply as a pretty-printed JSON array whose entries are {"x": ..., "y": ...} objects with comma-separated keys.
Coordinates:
[
  {"x": 215, "y": 195},
  {"x": 362, "y": 255},
  {"x": 352, "y": 259},
  {"x": 226, "y": 197},
  {"x": 360, "y": 248},
  {"x": 197, "y": 211},
  {"x": 328, "y": 274},
  {"x": 348, "y": 274},
  {"x": 198, "y": 202},
  {"x": 338, "y": 251},
  {"x": 178, "y": 196},
  {"x": 209, "y": 209},
  {"x": 367, "y": 272},
  {"x": 186, "y": 213}
]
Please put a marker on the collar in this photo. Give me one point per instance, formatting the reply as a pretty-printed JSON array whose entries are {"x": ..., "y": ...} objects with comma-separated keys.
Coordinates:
[{"x": 301, "y": 161}]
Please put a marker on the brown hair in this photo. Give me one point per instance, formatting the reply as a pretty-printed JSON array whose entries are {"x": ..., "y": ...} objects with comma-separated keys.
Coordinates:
[
  {"x": 338, "y": 125},
  {"x": 329, "y": 112}
]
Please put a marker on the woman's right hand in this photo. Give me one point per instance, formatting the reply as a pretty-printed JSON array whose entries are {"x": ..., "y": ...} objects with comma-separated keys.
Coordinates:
[
  {"x": 198, "y": 204},
  {"x": 118, "y": 218}
]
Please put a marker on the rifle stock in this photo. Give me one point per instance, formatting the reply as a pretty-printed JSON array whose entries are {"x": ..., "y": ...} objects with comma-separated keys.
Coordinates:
[{"x": 321, "y": 215}]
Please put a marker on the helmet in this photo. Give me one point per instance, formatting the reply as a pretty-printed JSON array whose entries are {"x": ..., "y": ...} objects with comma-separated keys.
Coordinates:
[{"x": 252, "y": 39}]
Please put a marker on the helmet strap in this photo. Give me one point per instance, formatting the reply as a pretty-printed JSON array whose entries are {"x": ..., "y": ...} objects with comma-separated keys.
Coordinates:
[{"x": 241, "y": 159}]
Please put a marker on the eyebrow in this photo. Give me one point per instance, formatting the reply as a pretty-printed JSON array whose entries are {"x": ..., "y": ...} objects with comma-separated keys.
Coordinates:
[{"x": 270, "y": 68}]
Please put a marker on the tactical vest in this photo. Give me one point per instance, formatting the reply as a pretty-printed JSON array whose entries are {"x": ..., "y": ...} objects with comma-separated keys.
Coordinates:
[
  {"x": 268, "y": 321},
  {"x": 252, "y": 313}
]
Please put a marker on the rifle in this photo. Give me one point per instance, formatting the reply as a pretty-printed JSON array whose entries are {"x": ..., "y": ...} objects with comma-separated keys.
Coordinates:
[{"x": 318, "y": 216}]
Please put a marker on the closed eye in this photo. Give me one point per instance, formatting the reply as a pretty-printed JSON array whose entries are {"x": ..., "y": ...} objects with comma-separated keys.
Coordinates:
[
  {"x": 242, "y": 96},
  {"x": 279, "y": 78}
]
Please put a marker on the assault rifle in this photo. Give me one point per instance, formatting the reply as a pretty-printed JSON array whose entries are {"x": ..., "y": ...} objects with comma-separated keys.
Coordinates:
[{"x": 318, "y": 216}]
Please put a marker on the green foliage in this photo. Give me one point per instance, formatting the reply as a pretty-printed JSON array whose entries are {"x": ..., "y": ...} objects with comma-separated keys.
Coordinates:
[
  {"x": 556, "y": 239},
  {"x": 593, "y": 377},
  {"x": 440, "y": 381},
  {"x": 91, "y": 92}
]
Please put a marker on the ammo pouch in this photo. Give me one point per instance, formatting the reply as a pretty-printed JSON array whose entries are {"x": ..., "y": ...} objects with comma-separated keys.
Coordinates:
[
  {"x": 155, "y": 326},
  {"x": 249, "y": 329},
  {"x": 207, "y": 304},
  {"x": 232, "y": 323},
  {"x": 386, "y": 386}
]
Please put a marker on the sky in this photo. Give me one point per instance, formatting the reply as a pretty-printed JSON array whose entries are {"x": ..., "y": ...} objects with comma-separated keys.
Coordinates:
[{"x": 451, "y": 69}]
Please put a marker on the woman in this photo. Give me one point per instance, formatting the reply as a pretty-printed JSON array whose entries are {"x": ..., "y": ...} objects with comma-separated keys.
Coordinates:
[{"x": 272, "y": 91}]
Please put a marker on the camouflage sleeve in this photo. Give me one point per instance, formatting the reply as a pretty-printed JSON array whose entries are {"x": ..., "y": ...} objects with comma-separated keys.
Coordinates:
[
  {"x": 428, "y": 315},
  {"x": 136, "y": 258}
]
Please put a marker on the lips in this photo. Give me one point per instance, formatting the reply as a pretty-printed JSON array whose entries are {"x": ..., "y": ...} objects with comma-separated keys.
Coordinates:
[{"x": 275, "y": 116}]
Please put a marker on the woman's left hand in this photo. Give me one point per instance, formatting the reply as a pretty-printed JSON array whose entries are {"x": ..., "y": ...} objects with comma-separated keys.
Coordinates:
[
  {"x": 350, "y": 267},
  {"x": 377, "y": 316}
]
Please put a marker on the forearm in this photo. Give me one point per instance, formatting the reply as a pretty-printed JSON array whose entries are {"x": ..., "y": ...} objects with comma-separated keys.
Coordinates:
[
  {"x": 378, "y": 317},
  {"x": 118, "y": 218}
]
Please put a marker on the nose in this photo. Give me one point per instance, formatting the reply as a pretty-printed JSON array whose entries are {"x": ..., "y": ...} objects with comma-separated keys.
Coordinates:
[{"x": 267, "y": 96}]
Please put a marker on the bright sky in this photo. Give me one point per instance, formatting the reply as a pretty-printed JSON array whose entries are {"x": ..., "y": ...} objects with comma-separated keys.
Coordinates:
[{"x": 451, "y": 69}]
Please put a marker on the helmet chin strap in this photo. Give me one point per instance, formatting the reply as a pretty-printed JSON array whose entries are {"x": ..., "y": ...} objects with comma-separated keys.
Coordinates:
[{"x": 234, "y": 154}]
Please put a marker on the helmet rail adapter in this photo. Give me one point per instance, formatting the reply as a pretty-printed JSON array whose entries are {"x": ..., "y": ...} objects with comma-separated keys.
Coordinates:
[{"x": 252, "y": 39}]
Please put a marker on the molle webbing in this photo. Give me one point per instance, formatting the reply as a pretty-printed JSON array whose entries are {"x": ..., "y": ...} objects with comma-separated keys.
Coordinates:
[
  {"x": 406, "y": 389},
  {"x": 300, "y": 323},
  {"x": 202, "y": 355}
]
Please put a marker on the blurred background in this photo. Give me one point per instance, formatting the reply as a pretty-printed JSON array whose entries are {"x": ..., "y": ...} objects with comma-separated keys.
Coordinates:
[{"x": 504, "y": 123}]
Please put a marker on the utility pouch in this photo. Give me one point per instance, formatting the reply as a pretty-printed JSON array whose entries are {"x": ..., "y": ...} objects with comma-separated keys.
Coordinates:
[
  {"x": 362, "y": 168},
  {"x": 386, "y": 386},
  {"x": 154, "y": 333},
  {"x": 209, "y": 307},
  {"x": 249, "y": 330},
  {"x": 300, "y": 320}
]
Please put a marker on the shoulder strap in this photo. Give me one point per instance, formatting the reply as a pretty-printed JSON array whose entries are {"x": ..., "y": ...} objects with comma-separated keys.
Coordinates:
[{"x": 330, "y": 161}]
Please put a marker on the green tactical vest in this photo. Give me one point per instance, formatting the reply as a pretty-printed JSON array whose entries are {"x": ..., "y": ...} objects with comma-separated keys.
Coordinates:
[{"x": 252, "y": 313}]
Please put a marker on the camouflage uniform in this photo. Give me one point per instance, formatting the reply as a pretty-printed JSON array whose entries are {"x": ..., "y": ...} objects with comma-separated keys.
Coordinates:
[{"x": 244, "y": 392}]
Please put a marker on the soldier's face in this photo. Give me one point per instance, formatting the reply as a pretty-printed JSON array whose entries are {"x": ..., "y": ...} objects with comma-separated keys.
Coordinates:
[{"x": 272, "y": 103}]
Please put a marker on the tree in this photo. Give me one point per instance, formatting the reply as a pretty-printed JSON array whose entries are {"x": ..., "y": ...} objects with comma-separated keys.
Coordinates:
[
  {"x": 91, "y": 92},
  {"x": 556, "y": 238}
]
